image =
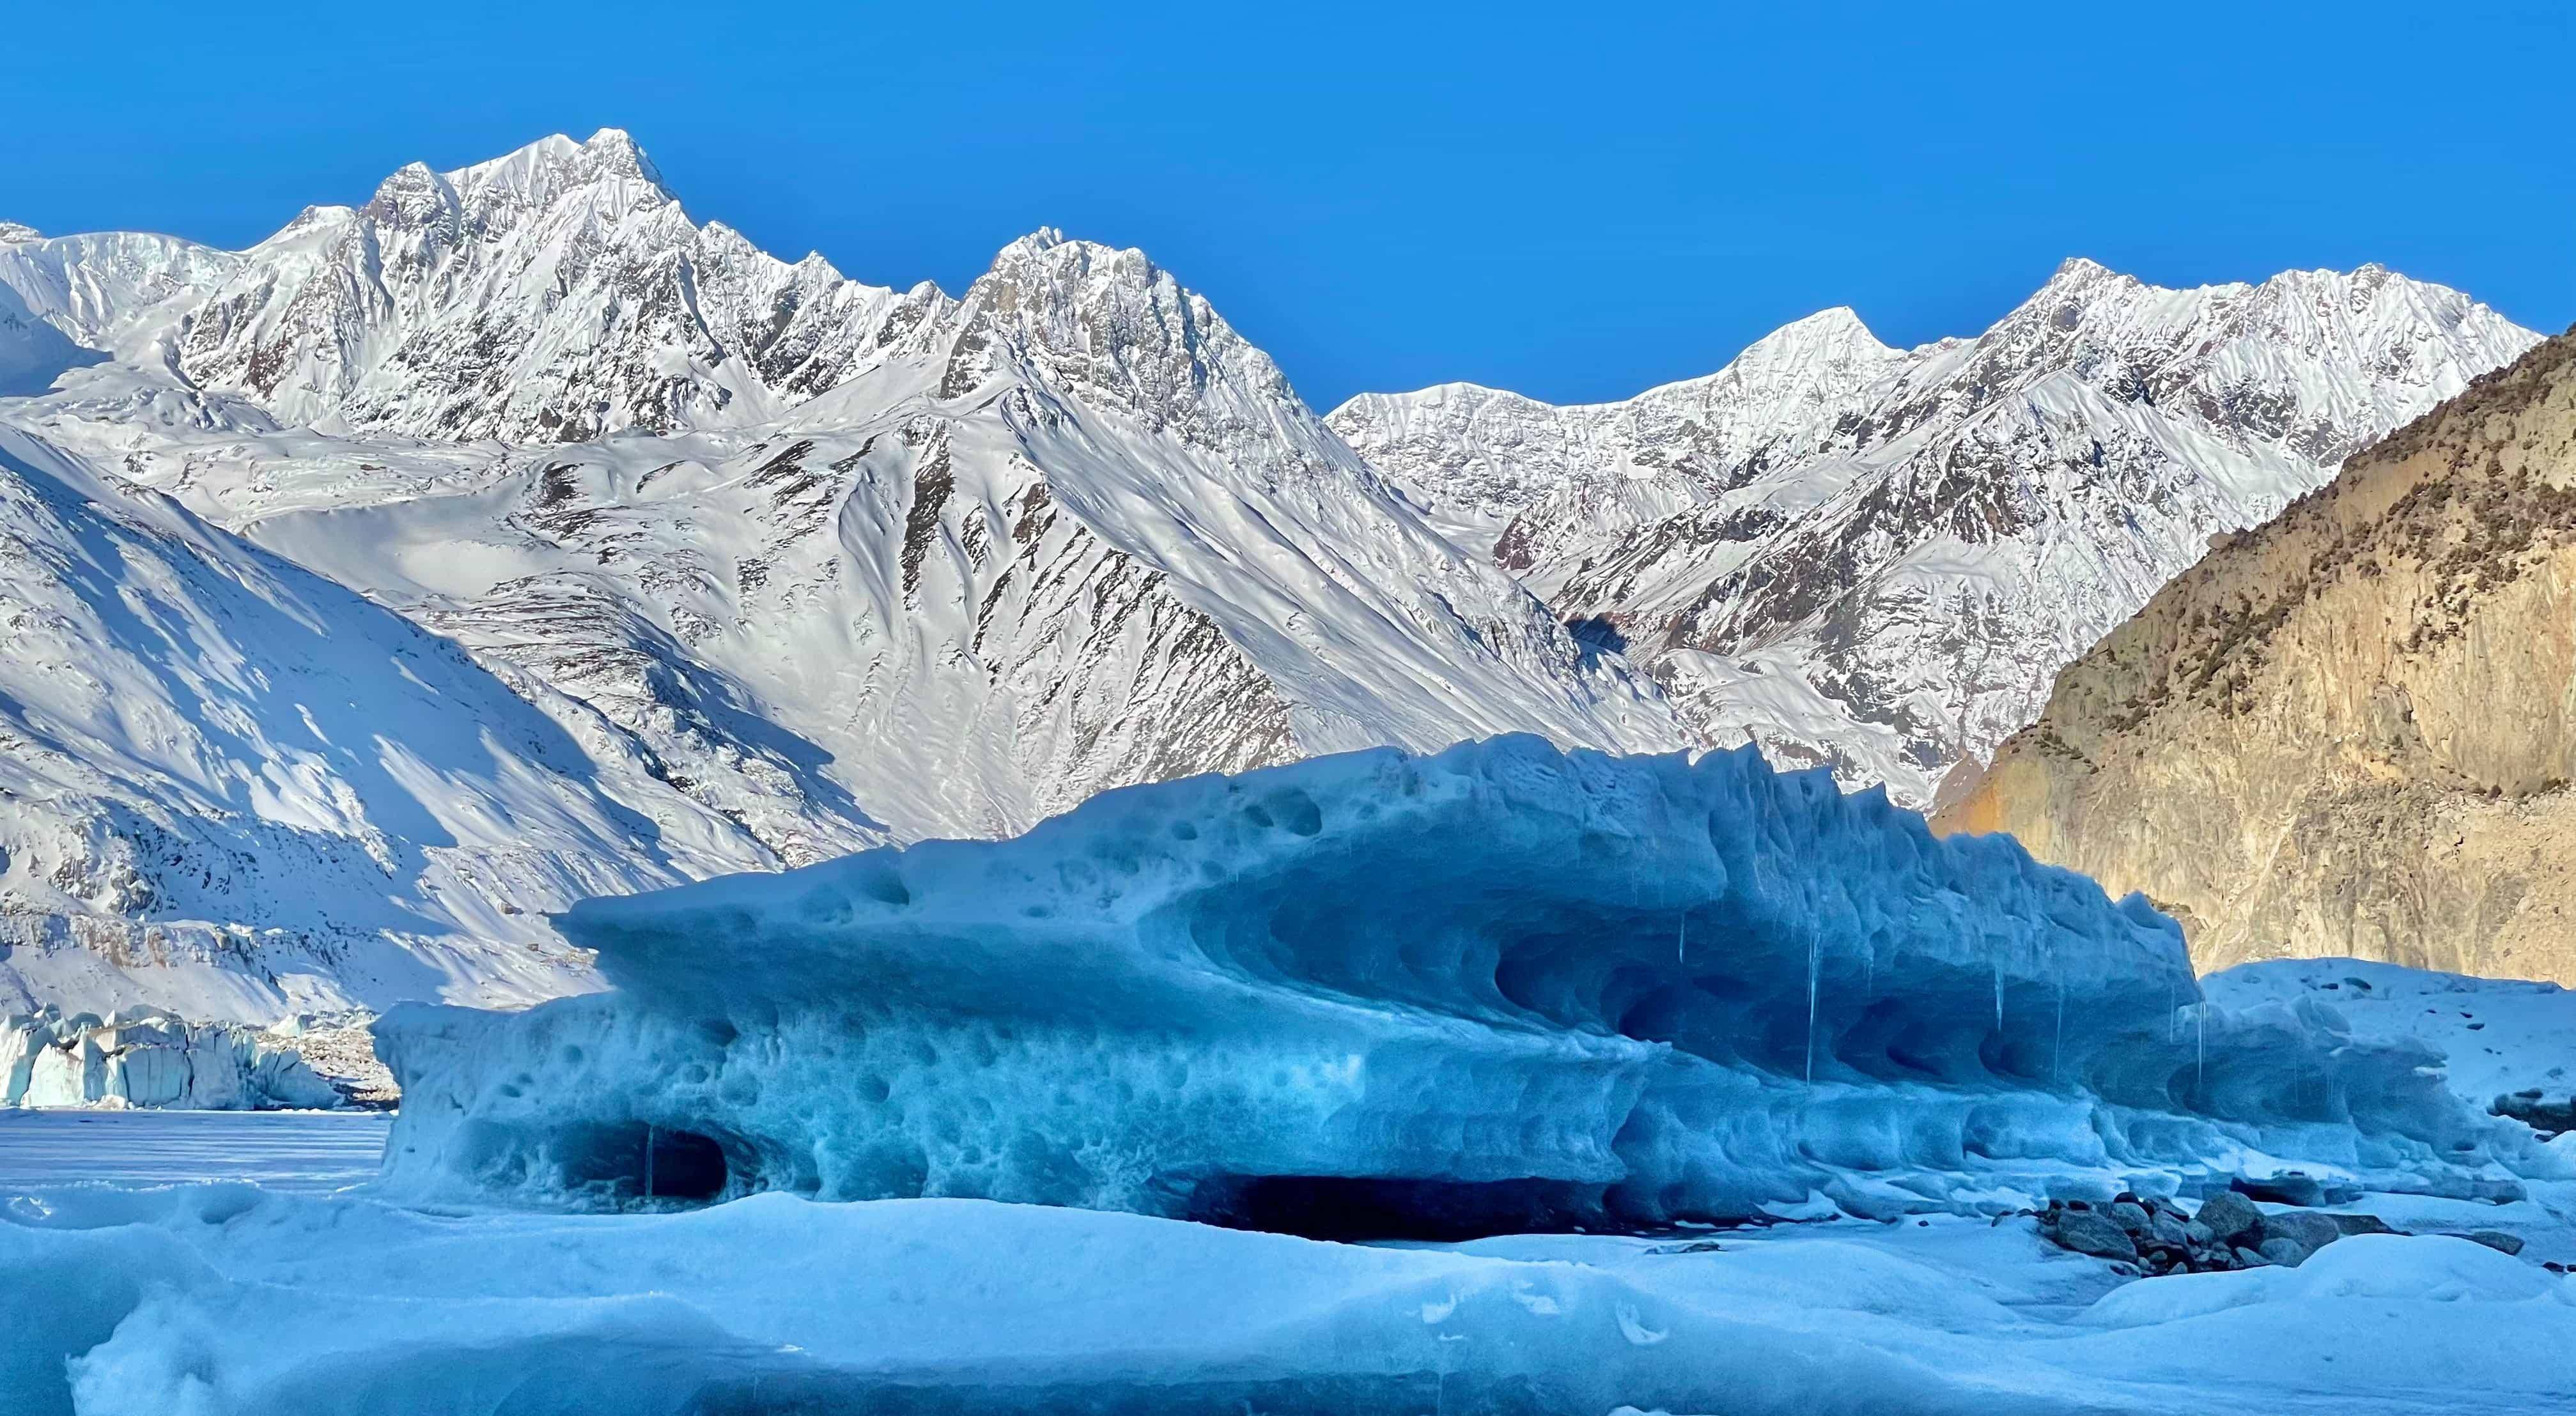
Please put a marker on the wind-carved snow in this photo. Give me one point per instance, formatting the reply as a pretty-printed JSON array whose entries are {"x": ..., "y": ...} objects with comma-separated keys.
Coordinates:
[
  {"x": 785, "y": 565},
  {"x": 1497, "y": 988},
  {"x": 1915, "y": 542}
]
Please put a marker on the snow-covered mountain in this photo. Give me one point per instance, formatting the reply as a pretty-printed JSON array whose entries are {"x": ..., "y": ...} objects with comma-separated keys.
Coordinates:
[
  {"x": 1880, "y": 558},
  {"x": 716, "y": 562},
  {"x": 553, "y": 294},
  {"x": 232, "y": 787}
]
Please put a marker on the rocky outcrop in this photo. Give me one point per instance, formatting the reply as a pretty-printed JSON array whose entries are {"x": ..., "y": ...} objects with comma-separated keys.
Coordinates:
[
  {"x": 2351, "y": 730},
  {"x": 2151, "y": 1236},
  {"x": 1878, "y": 559}
]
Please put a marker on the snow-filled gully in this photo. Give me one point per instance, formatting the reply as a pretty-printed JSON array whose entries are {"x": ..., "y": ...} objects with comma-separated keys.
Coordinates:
[{"x": 1499, "y": 989}]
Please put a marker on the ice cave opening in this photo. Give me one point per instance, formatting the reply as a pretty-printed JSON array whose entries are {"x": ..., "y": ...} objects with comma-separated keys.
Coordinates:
[
  {"x": 1354, "y": 1208},
  {"x": 636, "y": 1164}
]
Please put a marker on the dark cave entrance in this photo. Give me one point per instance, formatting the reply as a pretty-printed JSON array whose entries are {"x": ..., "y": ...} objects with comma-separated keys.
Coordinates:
[
  {"x": 682, "y": 1165},
  {"x": 636, "y": 1161},
  {"x": 1351, "y": 1208}
]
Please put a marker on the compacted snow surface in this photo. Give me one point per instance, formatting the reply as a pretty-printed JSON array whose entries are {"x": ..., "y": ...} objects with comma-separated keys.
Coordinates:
[{"x": 227, "y": 1299}]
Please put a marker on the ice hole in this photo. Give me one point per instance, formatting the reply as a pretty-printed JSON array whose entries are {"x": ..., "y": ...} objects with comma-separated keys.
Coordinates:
[
  {"x": 1352, "y": 1208},
  {"x": 637, "y": 1160},
  {"x": 683, "y": 1165}
]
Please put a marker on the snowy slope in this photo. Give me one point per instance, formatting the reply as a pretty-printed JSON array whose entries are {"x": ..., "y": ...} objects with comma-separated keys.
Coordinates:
[
  {"x": 235, "y": 789},
  {"x": 120, "y": 291},
  {"x": 33, "y": 353},
  {"x": 802, "y": 563},
  {"x": 1880, "y": 559},
  {"x": 2508, "y": 1045}
]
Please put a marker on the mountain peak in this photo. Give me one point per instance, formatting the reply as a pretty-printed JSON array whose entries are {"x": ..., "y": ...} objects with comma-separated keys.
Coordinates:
[
  {"x": 1048, "y": 268},
  {"x": 411, "y": 195},
  {"x": 1839, "y": 329},
  {"x": 15, "y": 231},
  {"x": 553, "y": 165},
  {"x": 615, "y": 152},
  {"x": 1038, "y": 242}
]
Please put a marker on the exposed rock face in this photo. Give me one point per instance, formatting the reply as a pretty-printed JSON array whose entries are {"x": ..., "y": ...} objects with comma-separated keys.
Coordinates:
[
  {"x": 2350, "y": 730},
  {"x": 1879, "y": 558}
]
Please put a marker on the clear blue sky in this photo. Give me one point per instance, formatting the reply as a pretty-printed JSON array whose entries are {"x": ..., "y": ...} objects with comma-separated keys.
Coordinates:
[{"x": 1577, "y": 201}]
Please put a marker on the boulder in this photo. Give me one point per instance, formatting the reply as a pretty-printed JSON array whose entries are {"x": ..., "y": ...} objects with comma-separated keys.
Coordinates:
[
  {"x": 2308, "y": 1229},
  {"x": 2290, "y": 1187},
  {"x": 2495, "y": 1239},
  {"x": 2230, "y": 1218},
  {"x": 2361, "y": 1224},
  {"x": 2089, "y": 1233},
  {"x": 2129, "y": 1215}
]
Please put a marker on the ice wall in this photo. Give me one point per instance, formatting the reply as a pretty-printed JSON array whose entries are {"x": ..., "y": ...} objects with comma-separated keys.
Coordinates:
[
  {"x": 145, "y": 1057},
  {"x": 1500, "y": 987}
]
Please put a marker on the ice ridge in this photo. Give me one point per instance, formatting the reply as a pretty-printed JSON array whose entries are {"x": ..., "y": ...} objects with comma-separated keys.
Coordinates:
[{"x": 1500, "y": 987}]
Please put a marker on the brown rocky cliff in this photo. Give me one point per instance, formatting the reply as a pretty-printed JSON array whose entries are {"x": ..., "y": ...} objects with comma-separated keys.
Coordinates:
[{"x": 2350, "y": 730}]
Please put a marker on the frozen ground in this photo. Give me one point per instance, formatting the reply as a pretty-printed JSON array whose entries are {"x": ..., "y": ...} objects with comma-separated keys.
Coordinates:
[
  {"x": 284, "y": 1151},
  {"x": 230, "y": 1299},
  {"x": 144, "y": 1296}
]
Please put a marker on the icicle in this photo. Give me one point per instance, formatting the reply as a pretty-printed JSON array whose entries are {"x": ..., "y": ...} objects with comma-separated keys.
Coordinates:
[
  {"x": 2199, "y": 1051},
  {"x": 648, "y": 1160},
  {"x": 1681, "y": 945},
  {"x": 1815, "y": 963},
  {"x": 2057, "y": 1045}
]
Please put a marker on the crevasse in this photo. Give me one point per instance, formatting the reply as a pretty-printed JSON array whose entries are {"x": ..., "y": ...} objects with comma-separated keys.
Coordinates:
[{"x": 1378, "y": 993}]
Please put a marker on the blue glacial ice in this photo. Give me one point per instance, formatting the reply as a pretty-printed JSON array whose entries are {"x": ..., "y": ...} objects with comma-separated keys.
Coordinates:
[
  {"x": 147, "y": 1057},
  {"x": 1500, "y": 988}
]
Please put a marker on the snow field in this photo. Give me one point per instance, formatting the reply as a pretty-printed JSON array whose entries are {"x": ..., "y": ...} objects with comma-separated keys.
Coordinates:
[{"x": 175, "y": 1300}]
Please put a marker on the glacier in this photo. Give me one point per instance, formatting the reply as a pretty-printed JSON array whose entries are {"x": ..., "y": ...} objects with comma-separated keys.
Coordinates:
[
  {"x": 1502, "y": 988},
  {"x": 150, "y": 1057}
]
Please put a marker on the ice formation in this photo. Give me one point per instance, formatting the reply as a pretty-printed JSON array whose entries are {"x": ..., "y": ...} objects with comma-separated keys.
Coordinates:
[
  {"x": 1504, "y": 987},
  {"x": 148, "y": 1057}
]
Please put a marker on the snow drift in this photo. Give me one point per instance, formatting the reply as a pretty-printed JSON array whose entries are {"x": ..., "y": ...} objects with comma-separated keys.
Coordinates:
[
  {"x": 1503, "y": 987},
  {"x": 219, "y": 1298}
]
